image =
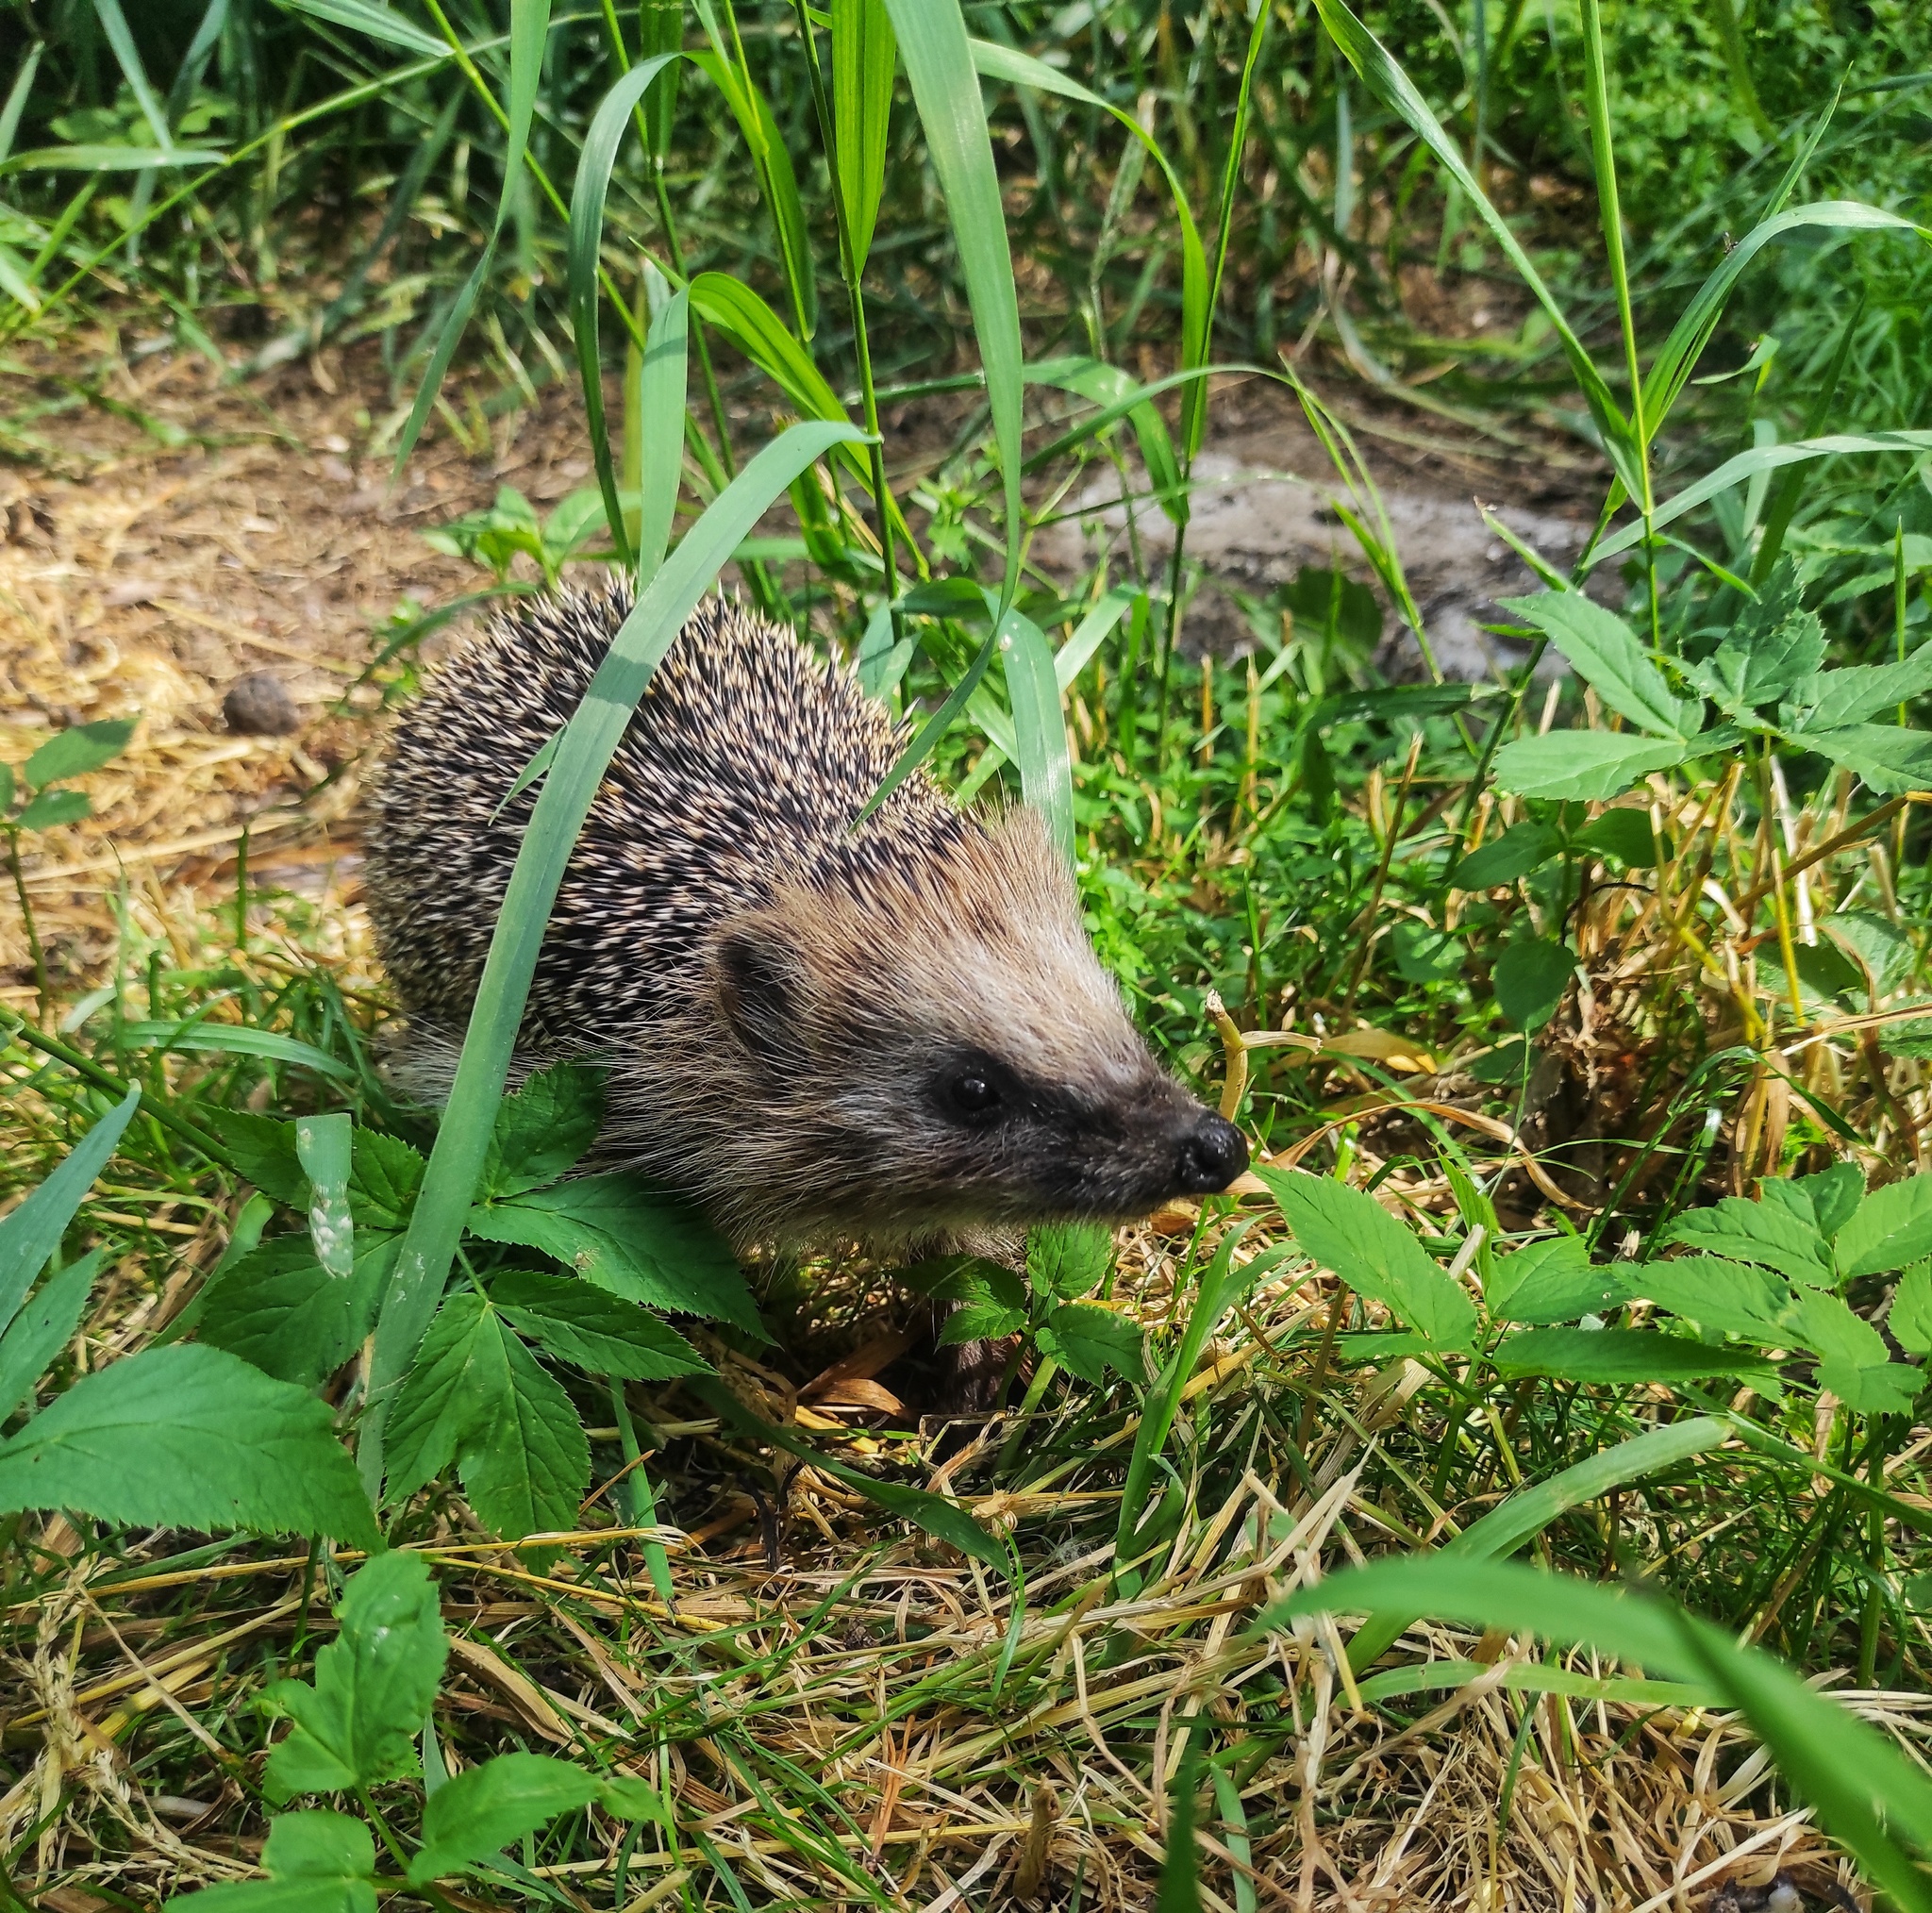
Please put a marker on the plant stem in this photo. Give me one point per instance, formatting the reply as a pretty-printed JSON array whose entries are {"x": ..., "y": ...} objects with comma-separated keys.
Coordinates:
[{"x": 26, "y": 917}]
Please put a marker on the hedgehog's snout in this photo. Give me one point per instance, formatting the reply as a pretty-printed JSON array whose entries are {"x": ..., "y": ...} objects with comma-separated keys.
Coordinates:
[{"x": 1212, "y": 1152}]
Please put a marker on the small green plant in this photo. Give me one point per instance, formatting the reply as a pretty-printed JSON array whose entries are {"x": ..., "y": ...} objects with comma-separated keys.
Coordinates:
[
  {"x": 356, "y": 1726},
  {"x": 497, "y": 535},
  {"x": 42, "y": 804},
  {"x": 193, "y": 1436}
]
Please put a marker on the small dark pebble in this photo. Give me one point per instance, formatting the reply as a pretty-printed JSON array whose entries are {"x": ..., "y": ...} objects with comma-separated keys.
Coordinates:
[{"x": 260, "y": 704}]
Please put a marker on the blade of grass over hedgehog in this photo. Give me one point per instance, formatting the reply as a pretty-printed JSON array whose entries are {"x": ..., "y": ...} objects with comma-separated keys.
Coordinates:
[
  {"x": 590, "y": 741},
  {"x": 1865, "y": 1792}
]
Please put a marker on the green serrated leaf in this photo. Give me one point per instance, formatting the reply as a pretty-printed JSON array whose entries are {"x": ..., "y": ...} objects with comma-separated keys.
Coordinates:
[
  {"x": 1552, "y": 1281},
  {"x": 53, "y": 808},
  {"x": 1087, "y": 1340},
  {"x": 477, "y": 1395},
  {"x": 1890, "y": 1228},
  {"x": 356, "y": 1723},
  {"x": 981, "y": 1321},
  {"x": 1068, "y": 1259},
  {"x": 482, "y": 1809},
  {"x": 1624, "y": 835},
  {"x": 1828, "y": 1327},
  {"x": 77, "y": 751},
  {"x": 321, "y": 1147},
  {"x": 1889, "y": 759},
  {"x": 383, "y": 1177},
  {"x": 1605, "y": 654},
  {"x": 1910, "y": 1319},
  {"x": 191, "y": 1438},
  {"x": 1582, "y": 764},
  {"x": 1850, "y": 693},
  {"x": 1343, "y": 1229},
  {"x": 600, "y": 1333},
  {"x": 544, "y": 1128},
  {"x": 1731, "y": 1297},
  {"x": 1530, "y": 978},
  {"x": 280, "y": 1309},
  {"x": 264, "y": 1151},
  {"x": 1522, "y": 848},
  {"x": 318, "y": 1862},
  {"x": 1765, "y": 1232},
  {"x": 1619, "y": 1357},
  {"x": 617, "y": 1232}
]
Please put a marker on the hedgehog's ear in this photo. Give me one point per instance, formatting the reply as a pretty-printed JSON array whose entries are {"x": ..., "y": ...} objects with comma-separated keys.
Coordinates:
[{"x": 760, "y": 979}]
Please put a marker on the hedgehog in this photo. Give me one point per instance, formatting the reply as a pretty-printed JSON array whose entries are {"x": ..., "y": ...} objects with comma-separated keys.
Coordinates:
[{"x": 822, "y": 1027}]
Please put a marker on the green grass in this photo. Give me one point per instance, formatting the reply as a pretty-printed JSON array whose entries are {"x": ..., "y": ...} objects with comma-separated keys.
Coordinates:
[{"x": 1536, "y": 1010}]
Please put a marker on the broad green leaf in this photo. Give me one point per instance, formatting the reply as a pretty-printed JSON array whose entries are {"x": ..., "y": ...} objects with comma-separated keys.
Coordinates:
[
  {"x": 233, "y": 1039},
  {"x": 44, "y": 1327},
  {"x": 616, "y": 1232},
  {"x": 482, "y": 1809},
  {"x": 599, "y": 1331},
  {"x": 1352, "y": 1234},
  {"x": 1880, "y": 948},
  {"x": 1087, "y": 1340},
  {"x": 1068, "y": 1259},
  {"x": 1775, "y": 645},
  {"x": 865, "y": 59},
  {"x": 1530, "y": 978},
  {"x": 1522, "y": 848},
  {"x": 280, "y": 1309},
  {"x": 1834, "y": 1195},
  {"x": 1910, "y": 1319},
  {"x": 318, "y": 1862},
  {"x": 1624, "y": 834},
  {"x": 1850, "y": 693},
  {"x": 981, "y": 1321},
  {"x": 264, "y": 1151},
  {"x": 590, "y": 741},
  {"x": 1619, "y": 1357},
  {"x": 1731, "y": 1297},
  {"x": 1765, "y": 1232},
  {"x": 973, "y": 1279},
  {"x": 77, "y": 751},
  {"x": 32, "y": 1231},
  {"x": 1852, "y": 1356},
  {"x": 384, "y": 1174},
  {"x": 1857, "y": 1781},
  {"x": 1552, "y": 1281},
  {"x": 544, "y": 1128},
  {"x": 477, "y": 1394},
  {"x": 1604, "y": 653},
  {"x": 1592, "y": 765},
  {"x": 1527, "y": 1512},
  {"x": 52, "y": 809},
  {"x": 1892, "y": 1227},
  {"x": 322, "y": 1149},
  {"x": 188, "y": 1437},
  {"x": 1872, "y": 1387},
  {"x": 354, "y": 1725},
  {"x": 1888, "y": 758}
]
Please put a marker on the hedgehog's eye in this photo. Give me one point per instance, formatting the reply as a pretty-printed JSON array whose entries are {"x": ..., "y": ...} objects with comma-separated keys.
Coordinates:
[{"x": 972, "y": 1094}]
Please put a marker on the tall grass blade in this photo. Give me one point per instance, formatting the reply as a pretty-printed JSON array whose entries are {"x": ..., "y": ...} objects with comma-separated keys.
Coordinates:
[
  {"x": 865, "y": 59},
  {"x": 1039, "y": 729},
  {"x": 529, "y": 29},
  {"x": 17, "y": 96},
  {"x": 590, "y": 741},
  {"x": 1531, "y": 1510},
  {"x": 1867, "y": 1794},
  {"x": 1372, "y": 61},
  {"x": 32, "y": 1231},
  {"x": 662, "y": 387},
  {"x": 594, "y": 164},
  {"x": 127, "y": 57},
  {"x": 938, "y": 60}
]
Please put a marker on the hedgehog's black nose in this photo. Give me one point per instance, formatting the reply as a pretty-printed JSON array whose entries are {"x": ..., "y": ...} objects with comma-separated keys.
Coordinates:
[{"x": 1213, "y": 1152}]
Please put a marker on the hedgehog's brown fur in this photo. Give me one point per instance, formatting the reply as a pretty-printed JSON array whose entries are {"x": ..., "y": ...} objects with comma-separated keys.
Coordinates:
[{"x": 793, "y": 1010}]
